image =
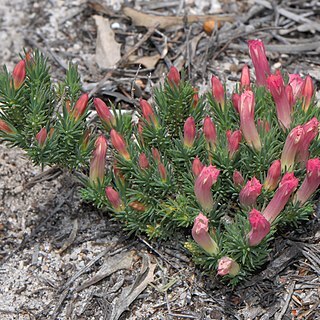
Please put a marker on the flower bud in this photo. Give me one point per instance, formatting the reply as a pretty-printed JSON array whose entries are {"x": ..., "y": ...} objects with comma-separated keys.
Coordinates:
[
  {"x": 98, "y": 160},
  {"x": 245, "y": 78},
  {"x": 250, "y": 192},
  {"x": 19, "y": 74},
  {"x": 156, "y": 155},
  {"x": 195, "y": 97},
  {"x": 273, "y": 176},
  {"x": 235, "y": 101},
  {"x": 286, "y": 187},
  {"x": 162, "y": 172},
  {"x": 104, "y": 113},
  {"x": 202, "y": 187},
  {"x": 260, "y": 227},
  {"x": 148, "y": 113},
  {"x": 234, "y": 139},
  {"x": 263, "y": 126},
  {"x": 189, "y": 132},
  {"x": 5, "y": 127},
  {"x": 217, "y": 91},
  {"x": 311, "y": 182},
  {"x": 289, "y": 94},
  {"x": 276, "y": 87},
  {"x": 143, "y": 161},
  {"x": 173, "y": 76},
  {"x": 259, "y": 60},
  {"x": 227, "y": 266},
  {"x": 248, "y": 127},
  {"x": 41, "y": 136},
  {"x": 307, "y": 91},
  {"x": 201, "y": 235},
  {"x": 84, "y": 140},
  {"x": 296, "y": 82},
  {"x": 210, "y": 132},
  {"x": 237, "y": 178},
  {"x": 197, "y": 166},
  {"x": 80, "y": 106},
  {"x": 119, "y": 144},
  {"x": 137, "y": 206},
  {"x": 293, "y": 142},
  {"x": 114, "y": 199}
]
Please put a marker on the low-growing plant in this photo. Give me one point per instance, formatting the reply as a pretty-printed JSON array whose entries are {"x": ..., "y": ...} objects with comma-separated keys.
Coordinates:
[{"x": 232, "y": 169}]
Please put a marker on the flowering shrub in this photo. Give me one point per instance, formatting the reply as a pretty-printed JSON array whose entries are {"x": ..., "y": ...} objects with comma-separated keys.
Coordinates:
[{"x": 232, "y": 169}]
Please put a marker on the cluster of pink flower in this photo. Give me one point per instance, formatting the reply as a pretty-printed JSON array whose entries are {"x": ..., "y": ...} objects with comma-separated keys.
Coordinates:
[{"x": 296, "y": 149}]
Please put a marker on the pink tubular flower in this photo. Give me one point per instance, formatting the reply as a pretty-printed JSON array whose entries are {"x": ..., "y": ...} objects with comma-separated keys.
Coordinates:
[
  {"x": 247, "y": 125},
  {"x": 307, "y": 93},
  {"x": 237, "y": 178},
  {"x": 234, "y": 139},
  {"x": 189, "y": 132},
  {"x": 5, "y": 127},
  {"x": 80, "y": 106},
  {"x": 119, "y": 144},
  {"x": 227, "y": 266},
  {"x": 289, "y": 94},
  {"x": 104, "y": 113},
  {"x": 311, "y": 130},
  {"x": 217, "y": 91},
  {"x": 250, "y": 192},
  {"x": 286, "y": 187},
  {"x": 259, "y": 60},
  {"x": 273, "y": 176},
  {"x": 260, "y": 227},
  {"x": 98, "y": 160},
  {"x": 293, "y": 142},
  {"x": 148, "y": 113},
  {"x": 210, "y": 132},
  {"x": 245, "y": 78},
  {"x": 311, "y": 182},
  {"x": 143, "y": 161},
  {"x": 114, "y": 199},
  {"x": 197, "y": 166},
  {"x": 41, "y": 136},
  {"x": 174, "y": 76},
  {"x": 276, "y": 87},
  {"x": 296, "y": 82},
  {"x": 235, "y": 101},
  {"x": 162, "y": 172},
  {"x": 19, "y": 74},
  {"x": 202, "y": 187},
  {"x": 201, "y": 235}
]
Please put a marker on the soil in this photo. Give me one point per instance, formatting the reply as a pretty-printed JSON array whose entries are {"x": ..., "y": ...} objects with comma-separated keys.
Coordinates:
[{"x": 51, "y": 242}]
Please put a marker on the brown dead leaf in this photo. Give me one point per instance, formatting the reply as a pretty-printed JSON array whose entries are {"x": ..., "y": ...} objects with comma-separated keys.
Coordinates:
[
  {"x": 148, "y": 61},
  {"x": 107, "y": 48}
]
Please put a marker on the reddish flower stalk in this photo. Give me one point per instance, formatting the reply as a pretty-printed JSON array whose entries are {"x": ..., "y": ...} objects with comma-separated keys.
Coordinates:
[
  {"x": 234, "y": 139},
  {"x": 293, "y": 143},
  {"x": 143, "y": 161},
  {"x": 148, "y": 113},
  {"x": 201, "y": 235},
  {"x": 250, "y": 192},
  {"x": 237, "y": 178},
  {"x": 260, "y": 227},
  {"x": 19, "y": 74},
  {"x": 311, "y": 130},
  {"x": 245, "y": 78},
  {"x": 273, "y": 176},
  {"x": 173, "y": 76},
  {"x": 307, "y": 91},
  {"x": 114, "y": 199},
  {"x": 98, "y": 160},
  {"x": 286, "y": 187},
  {"x": 209, "y": 131},
  {"x": 259, "y": 60},
  {"x": 104, "y": 113},
  {"x": 197, "y": 166},
  {"x": 218, "y": 91},
  {"x": 119, "y": 144},
  {"x": 41, "y": 136},
  {"x": 227, "y": 266},
  {"x": 80, "y": 106},
  {"x": 276, "y": 87},
  {"x": 311, "y": 182},
  {"x": 202, "y": 187},
  {"x": 5, "y": 127},
  {"x": 247, "y": 125},
  {"x": 189, "y": 132}
]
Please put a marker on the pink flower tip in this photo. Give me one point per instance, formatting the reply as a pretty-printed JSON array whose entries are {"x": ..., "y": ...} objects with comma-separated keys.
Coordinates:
[{"x": 260, "y": 227}]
